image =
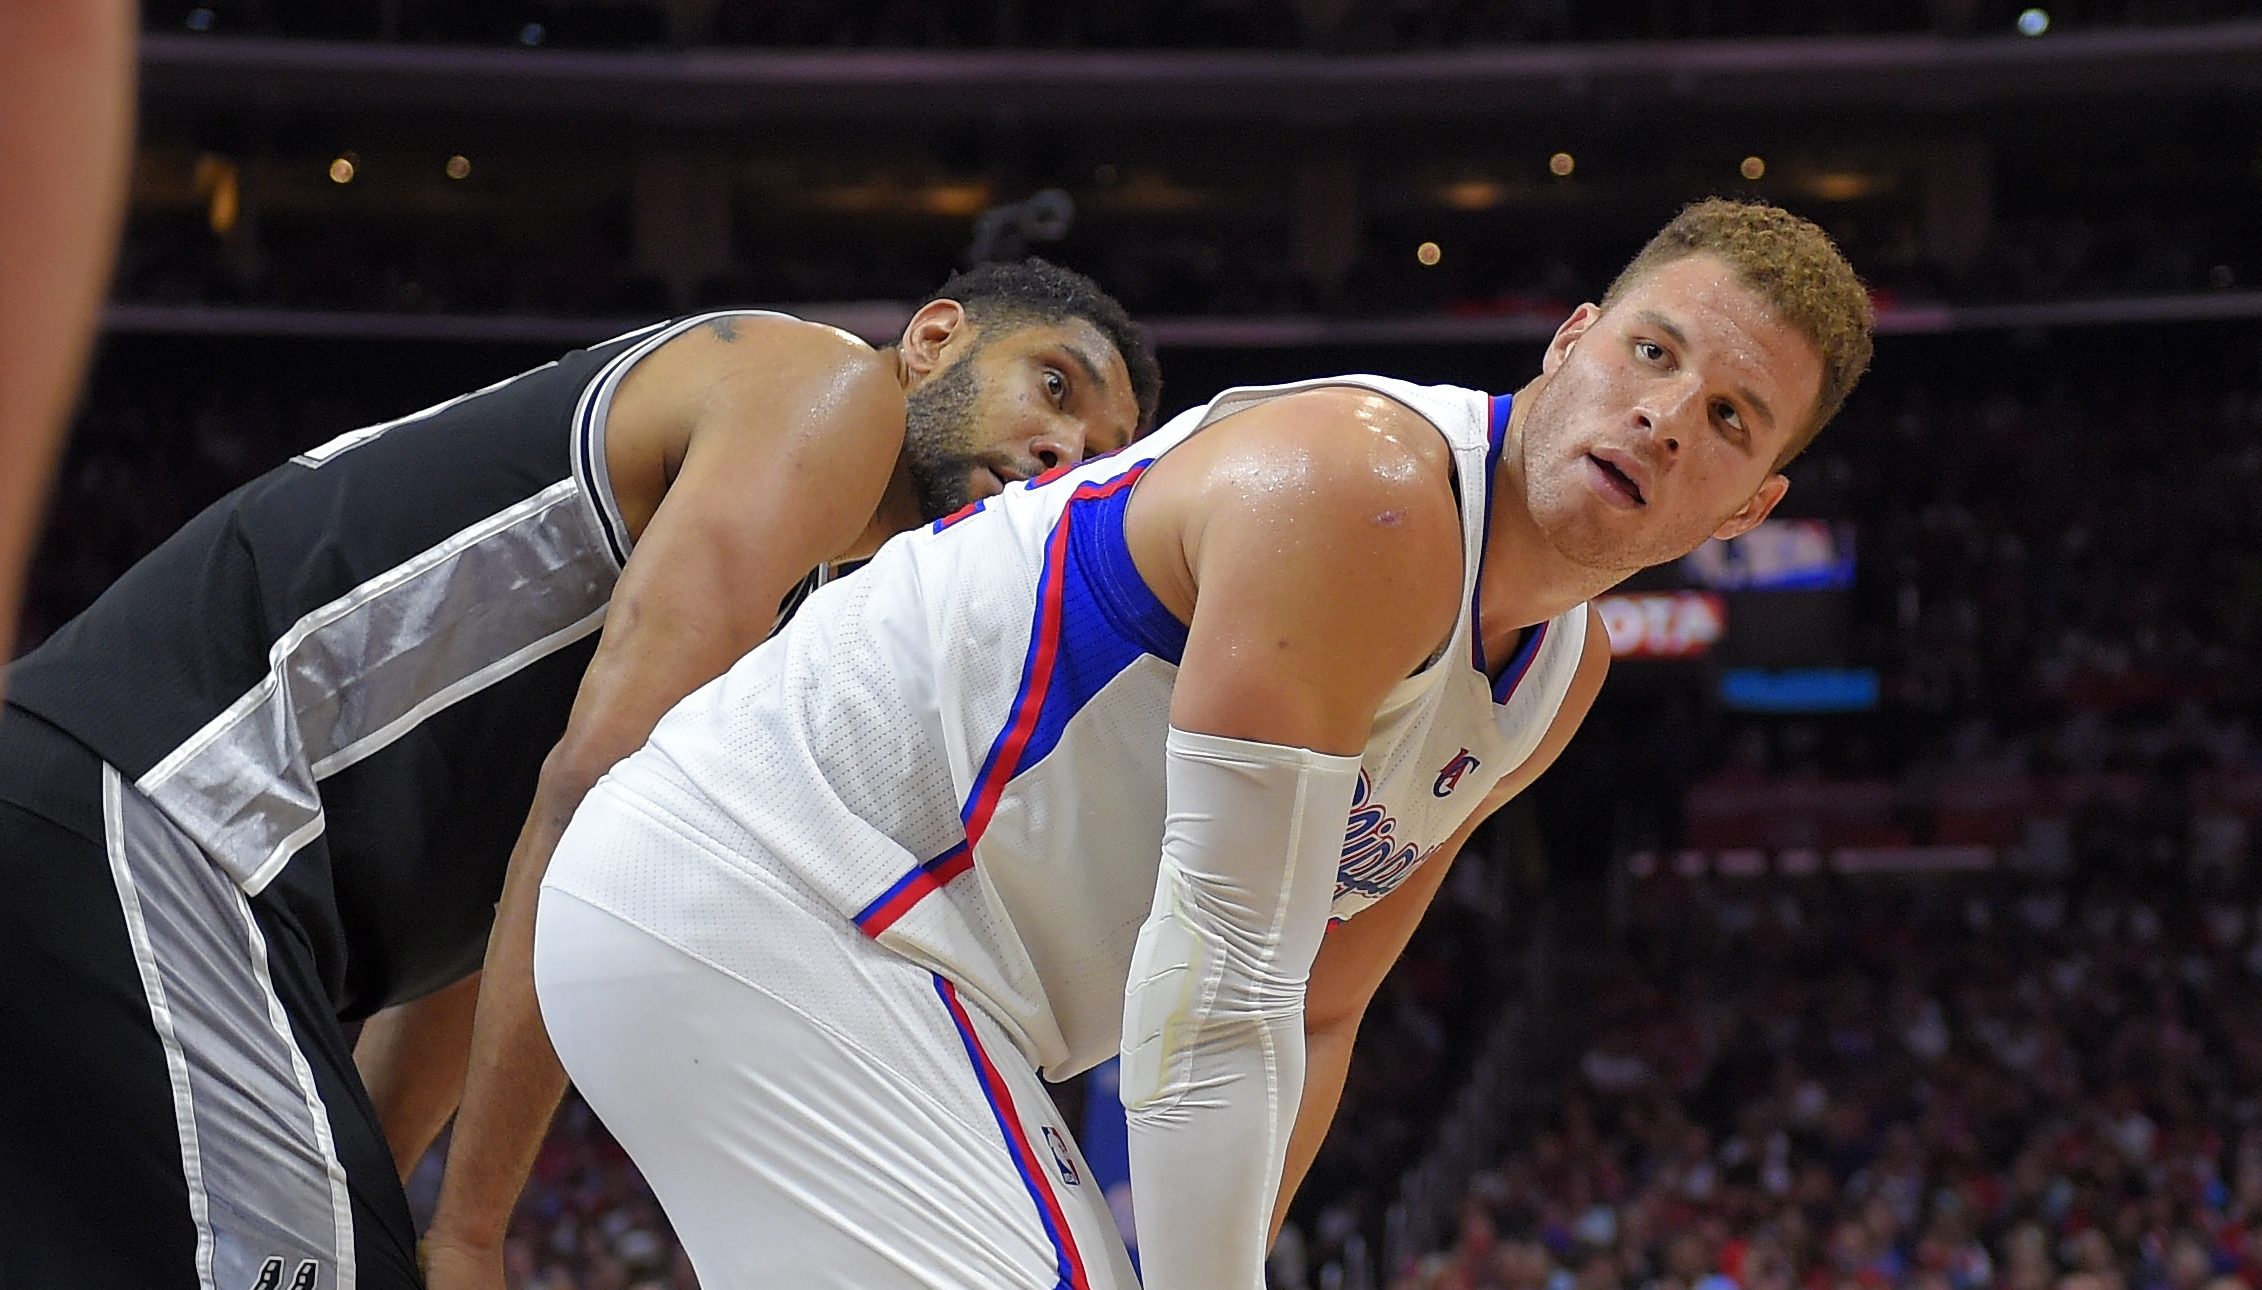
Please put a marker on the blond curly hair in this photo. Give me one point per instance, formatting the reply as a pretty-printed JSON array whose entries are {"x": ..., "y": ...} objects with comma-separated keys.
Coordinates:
[{"x": 1795, "y": 268}]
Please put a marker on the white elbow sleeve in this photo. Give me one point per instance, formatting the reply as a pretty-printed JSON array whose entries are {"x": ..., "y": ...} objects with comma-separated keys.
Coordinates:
[{"x": 1213, "y": 1046}]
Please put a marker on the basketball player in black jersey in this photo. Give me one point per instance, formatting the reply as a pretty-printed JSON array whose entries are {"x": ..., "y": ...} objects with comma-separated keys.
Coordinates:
[{"x": 270, "y": 783}]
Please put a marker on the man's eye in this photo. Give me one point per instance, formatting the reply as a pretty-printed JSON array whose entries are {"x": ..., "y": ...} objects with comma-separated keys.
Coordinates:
[
  {"x": 1055, "y": 384},
  {"x": 1728, "y": 415},
  {"x": 1650, "y": 351}
]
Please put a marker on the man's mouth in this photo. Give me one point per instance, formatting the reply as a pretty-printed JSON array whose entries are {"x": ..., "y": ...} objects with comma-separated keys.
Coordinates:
[
  {"x": 1614, "y": 482},
  {"x": 999, "y": 476}
]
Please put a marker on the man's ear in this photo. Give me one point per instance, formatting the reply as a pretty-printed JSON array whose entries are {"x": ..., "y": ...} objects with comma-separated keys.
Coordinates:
[
  {"x": 1568, "y": 335},
  {"x": 927, "y": 338},
  {"x": 1761, "y": 505}
]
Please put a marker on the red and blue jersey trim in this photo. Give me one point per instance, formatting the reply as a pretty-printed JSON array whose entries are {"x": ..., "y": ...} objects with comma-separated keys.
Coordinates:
[
  {"x": 1512, "y": 675},
  {"x": 1095, "y": 616},
  {"x": 1497, "y": 407},
  {"x": 912, "y": 888},
  {"x": 963, "y": 513},
  {"x": 1068, "y": 1261}
]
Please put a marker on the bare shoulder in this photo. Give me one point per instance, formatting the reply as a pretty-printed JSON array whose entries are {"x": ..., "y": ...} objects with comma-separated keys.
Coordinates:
[
  {"x": 1344, "y": 432},
  {"x": 750, "y": 386},
  {"x": 758, "y": 347},
  {"x": 1348, "y": 456},
  {"x": 1339, "y": 488},
  {"x": 726, "y": 372},
  {"x": 1323, "y": 553},
  {"x": 1359, "y": 483}
]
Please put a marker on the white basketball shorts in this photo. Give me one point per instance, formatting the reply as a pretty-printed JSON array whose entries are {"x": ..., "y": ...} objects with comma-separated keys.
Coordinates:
[{"x": 822, "y": 1112}]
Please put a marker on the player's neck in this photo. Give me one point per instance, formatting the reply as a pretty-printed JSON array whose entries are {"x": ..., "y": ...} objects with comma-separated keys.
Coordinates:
[
  {"x": 1525, "y": 580},
  {"x": 898, "y": 512}
]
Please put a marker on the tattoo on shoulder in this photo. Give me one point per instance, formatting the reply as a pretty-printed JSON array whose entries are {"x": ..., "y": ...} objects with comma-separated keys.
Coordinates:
[{"x": 725, "y": 328}]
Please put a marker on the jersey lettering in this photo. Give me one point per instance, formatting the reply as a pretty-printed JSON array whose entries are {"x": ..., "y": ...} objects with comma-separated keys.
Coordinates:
[
  {"x": 308, "y": 1276},
  {"x": 1374, "y": 862}
]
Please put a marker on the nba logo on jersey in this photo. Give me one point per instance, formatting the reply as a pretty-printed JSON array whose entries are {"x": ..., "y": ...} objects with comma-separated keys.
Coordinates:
[
  {"x": 271, "y": 1276},
  {"x": 1060, "y": 1160},
  {"x": 1450, "y": 778}
]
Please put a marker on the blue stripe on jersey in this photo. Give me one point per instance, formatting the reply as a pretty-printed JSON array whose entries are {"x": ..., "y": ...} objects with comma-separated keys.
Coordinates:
[
  {"x": 1108, "y": 619},
  {"x": 913, "y": 887},
  {"x": 1497, "y": 408},
  {"x": 1068, "y": 1261},
  {"x": 1095, "y": 616},
  {"x": 1512, "y": 675},
  {"x": 881, "y": 902},
  {"x": 1099, "y": 561},
  {"x": 966, "y": 512},
  {"x": 1102, "y": 618}
]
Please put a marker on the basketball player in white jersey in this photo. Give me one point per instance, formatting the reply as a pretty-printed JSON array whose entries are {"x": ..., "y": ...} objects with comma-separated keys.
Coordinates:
[{"x": 1162, "y": 755}]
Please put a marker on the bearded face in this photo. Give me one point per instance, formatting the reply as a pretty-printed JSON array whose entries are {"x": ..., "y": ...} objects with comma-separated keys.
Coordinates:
[
  {"x": 942, "y": 449},
  {"x": 1018, "y": 401}
]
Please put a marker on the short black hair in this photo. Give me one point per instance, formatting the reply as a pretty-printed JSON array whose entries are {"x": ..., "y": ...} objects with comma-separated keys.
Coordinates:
[{"x": 1039, "y": 291}]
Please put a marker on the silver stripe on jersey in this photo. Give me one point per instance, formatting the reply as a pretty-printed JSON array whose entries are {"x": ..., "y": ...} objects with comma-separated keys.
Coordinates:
[
  {"x": 359, "y": 672},
  {"x": 264, "y": 1178},
  {"x": 356, "y": 674}
]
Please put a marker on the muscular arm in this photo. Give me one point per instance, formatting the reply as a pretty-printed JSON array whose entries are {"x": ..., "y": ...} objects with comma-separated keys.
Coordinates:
[
  {"x": 786, "y": 459},
  {"x": 411, "y": 1060},
  {"x": 65, "y": 132},
  {"x": 1322, "y": 547},
  {"x": 1358, "y": 955}
]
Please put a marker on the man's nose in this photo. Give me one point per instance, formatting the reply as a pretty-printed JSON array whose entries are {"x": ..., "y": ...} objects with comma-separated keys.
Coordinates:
[
  {"x": 1662, "y": 415},
  {"x": 1058, "y": 445}
]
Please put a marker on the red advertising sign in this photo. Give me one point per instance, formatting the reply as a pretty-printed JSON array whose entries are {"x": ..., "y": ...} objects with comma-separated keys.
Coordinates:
[{"x": 1663, "y": 624}]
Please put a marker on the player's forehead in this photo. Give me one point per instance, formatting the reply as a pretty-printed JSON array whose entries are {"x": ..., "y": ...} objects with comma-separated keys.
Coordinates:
[
  {"x": 1079, "y": 335},
  {"x": 1094, "y": 358},
  {"x": 1723, "y": 323}
]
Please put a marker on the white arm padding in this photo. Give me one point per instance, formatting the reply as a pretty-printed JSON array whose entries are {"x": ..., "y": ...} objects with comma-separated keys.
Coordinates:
[{"x": 1213, "y": 1034}]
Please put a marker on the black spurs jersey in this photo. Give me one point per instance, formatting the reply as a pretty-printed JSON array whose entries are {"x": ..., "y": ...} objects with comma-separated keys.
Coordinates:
[{"x": 342, "y": 678}]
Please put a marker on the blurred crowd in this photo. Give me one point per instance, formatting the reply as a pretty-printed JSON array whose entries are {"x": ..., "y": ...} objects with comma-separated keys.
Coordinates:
[
  {"x": 1943, "y": 1084},
  {"x": 1348, "y": 26},
  {"x": 2045, "y": 1078},
  {"x": 2041, "y": 536},
  {"x": 2062, "y": 590}
]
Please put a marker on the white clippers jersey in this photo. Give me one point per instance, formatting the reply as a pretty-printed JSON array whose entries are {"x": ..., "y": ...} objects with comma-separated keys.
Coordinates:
[{"x": 961, "y": 747}]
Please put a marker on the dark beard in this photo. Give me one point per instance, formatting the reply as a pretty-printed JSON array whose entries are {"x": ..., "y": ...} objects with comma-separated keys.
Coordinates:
[{"x": 938, "y": 438}]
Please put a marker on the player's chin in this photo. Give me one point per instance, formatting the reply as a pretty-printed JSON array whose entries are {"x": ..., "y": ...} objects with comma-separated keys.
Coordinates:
[{"x": 1597, "y": 536}]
